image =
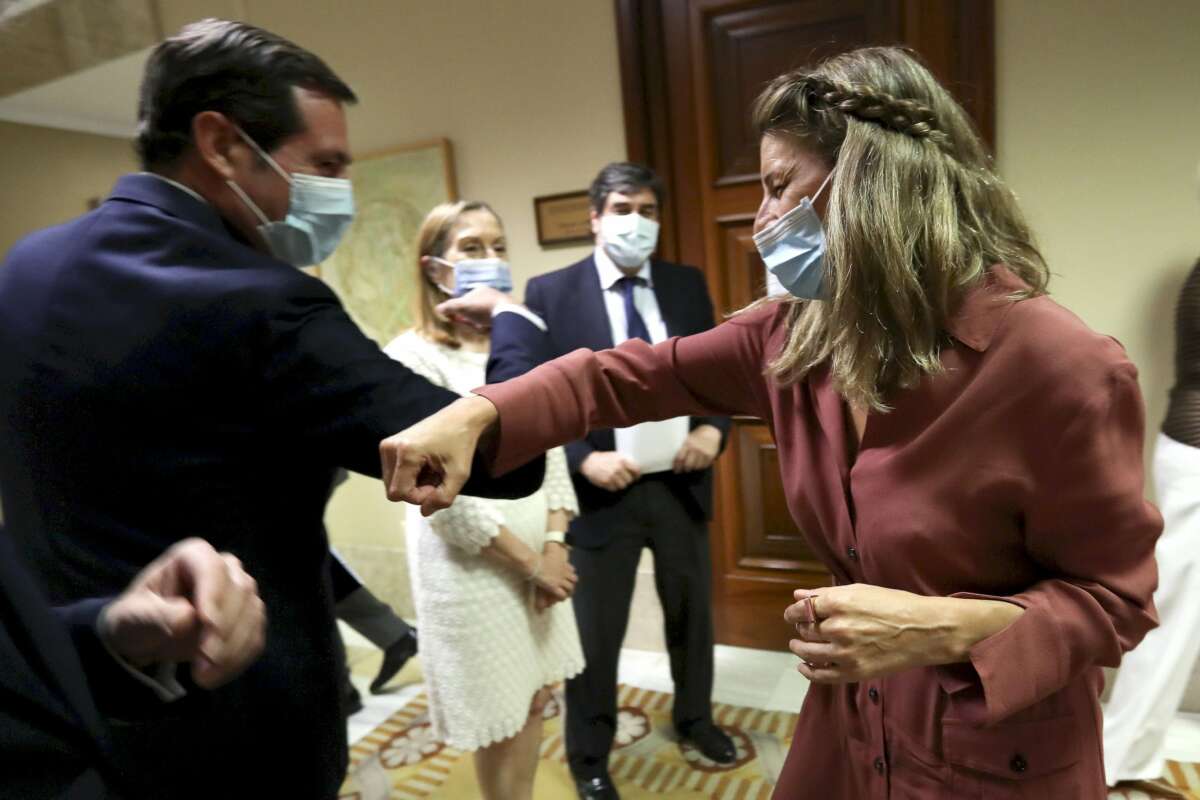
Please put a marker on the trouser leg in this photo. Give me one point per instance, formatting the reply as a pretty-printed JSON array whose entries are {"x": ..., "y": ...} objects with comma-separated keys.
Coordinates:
[
  {"x": 356, "y": 606},
  {"x": 683, "y": 577},
  {"x": 601, "y": 600}
]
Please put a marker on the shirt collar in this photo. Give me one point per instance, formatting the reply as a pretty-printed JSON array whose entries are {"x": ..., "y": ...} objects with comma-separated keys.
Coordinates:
[
  {"x": 177, "y": 185},
  {"x": 610, "y": 273},
  {"x": 983, "y": 308}
]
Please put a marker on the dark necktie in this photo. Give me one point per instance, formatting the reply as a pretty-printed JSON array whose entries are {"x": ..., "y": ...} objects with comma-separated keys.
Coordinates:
[{"x": 635, "y": 326}]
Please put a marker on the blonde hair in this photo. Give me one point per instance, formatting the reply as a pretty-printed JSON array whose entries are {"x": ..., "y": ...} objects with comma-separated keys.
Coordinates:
[
  {"x": 432, "y": 240},
  {"x": 916, "y": 215}
]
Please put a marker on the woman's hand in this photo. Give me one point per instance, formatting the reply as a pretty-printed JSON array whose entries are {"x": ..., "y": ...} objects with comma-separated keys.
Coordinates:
[
  {"x": 857, "y": 632},
  {"x": 555, "y": 579},
  {"x": 427, "y": 464}
]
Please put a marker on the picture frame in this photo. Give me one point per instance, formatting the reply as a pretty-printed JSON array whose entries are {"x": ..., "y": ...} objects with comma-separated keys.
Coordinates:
[
  {"x": 372, "y": 270},
  {"x": 563, "y": 218}
]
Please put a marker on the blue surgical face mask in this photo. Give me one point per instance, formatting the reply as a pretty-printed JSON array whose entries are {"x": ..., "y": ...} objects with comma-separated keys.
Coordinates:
[
  {"x": 472, "y": 272},
  {"x": 629, "y": 239},
  {"x": 793, "y": 248},
  {"x": 319, "y": 212}
]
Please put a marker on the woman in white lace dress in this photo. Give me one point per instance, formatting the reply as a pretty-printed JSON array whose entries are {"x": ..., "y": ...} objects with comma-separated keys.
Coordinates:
[{"x": 490, "y": 578}]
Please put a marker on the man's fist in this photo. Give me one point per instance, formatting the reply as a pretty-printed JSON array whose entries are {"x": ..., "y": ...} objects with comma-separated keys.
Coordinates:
[{"x": 192, "y": 604}]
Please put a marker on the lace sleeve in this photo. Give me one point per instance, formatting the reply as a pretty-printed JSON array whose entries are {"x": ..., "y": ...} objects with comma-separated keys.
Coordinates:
[
  {"x": 469, "y": 523},
  {"x": 560, "y": 491}
]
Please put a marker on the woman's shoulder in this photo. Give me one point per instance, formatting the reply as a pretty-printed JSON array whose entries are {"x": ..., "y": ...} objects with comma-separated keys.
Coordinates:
[
  {"x": 765, "y": 315},
  {"x": 766, "y": 322},
  {"x": 1053, "y": 350},
  {"x": 411, "y": 342}
]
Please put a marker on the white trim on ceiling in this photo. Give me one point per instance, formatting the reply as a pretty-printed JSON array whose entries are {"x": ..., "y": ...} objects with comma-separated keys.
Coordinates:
[
  {"x": 14, "y": 8},
  {"x": 66, "y": 121}
]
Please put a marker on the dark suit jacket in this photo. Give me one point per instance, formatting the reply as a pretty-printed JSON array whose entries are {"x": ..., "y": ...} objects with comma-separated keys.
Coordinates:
[
  {"x": 160, "y": 379},
  {"x": 571, "y": 302},
  {"x": 52, "y": 740}
]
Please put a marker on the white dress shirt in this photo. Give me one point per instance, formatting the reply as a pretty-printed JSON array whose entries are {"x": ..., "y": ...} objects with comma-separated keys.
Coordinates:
[
  {"x": 177, "y": 185},
  {"x": 643, "y": 299},
  {"x": 652, "y": 445}
]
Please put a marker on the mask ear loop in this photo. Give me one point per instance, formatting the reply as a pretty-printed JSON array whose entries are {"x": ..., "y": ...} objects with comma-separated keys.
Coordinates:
[
  {"x": 245, "y": 198},
  {"x": 824, "y": 183},
  {"x": 250, "y": 204},
  {"x": 440, "y": 287},
  {"x": 263, "y": 154}
]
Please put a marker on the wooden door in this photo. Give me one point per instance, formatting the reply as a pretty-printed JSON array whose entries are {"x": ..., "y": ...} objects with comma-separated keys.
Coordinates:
[{"x": 690, "y": 70}]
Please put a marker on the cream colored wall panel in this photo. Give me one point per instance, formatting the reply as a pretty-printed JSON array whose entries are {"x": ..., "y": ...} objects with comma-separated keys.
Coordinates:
[{"x": 1098, "y": 105}]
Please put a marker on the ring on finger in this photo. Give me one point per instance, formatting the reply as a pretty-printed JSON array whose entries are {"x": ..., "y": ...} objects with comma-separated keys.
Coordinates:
[{"x": 810, "y": 610}]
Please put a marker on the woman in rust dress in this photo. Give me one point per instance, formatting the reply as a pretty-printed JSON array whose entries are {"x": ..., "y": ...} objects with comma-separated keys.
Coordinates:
[{"x": 963, "y": 453}]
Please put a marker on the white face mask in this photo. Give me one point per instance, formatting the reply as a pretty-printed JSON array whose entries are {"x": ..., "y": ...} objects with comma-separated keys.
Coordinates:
[
  {"x": 793, "y": 248},
  {"x": 472, "y": 272},
  {"x": 319, "y": 212},
  {"x": 629, "y": 239}
]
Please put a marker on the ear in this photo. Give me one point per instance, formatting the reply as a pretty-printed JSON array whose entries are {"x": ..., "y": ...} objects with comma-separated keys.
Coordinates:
[
  {"x": 594, "y": 218},
  {"x": 218, "y": 144},
  {"x": 430, "y": 268}
]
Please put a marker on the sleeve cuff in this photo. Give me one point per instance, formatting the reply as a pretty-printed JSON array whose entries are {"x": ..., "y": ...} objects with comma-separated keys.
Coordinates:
[
  {"x": 159, "y": 678},
  {"x": 470, "y": 530},
  {"x": 513, "y": 308},
  {"x": 1008, "y": 671},
  {"x": 521, "y": 412}
]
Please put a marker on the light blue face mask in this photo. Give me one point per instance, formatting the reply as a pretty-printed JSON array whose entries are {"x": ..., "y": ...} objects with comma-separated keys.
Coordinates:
[
  {"x": 319, "y": 212},
  {"x": 793, "y": 249},
  {"x": 472, "y": 272}
]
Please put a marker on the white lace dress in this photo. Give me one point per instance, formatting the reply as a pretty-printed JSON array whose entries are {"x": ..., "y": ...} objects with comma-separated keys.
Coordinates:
[{"x": 485, "y": 649}]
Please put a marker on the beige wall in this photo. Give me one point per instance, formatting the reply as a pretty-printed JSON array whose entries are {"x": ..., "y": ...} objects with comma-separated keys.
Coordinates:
[
  {"x": 1098, "y": 113},
  {"x": 1098, "y": 119},
  {"x": 49, "y": 175}
]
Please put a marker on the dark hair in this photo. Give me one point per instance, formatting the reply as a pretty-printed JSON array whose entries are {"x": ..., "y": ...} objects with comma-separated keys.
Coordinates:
[
  {"x": 244, "y": 72},
  {"x": 624, "y": 177}
]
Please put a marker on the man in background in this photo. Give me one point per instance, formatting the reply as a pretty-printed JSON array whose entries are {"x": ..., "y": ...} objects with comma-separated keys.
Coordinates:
[{"x": 647, "y": 486}]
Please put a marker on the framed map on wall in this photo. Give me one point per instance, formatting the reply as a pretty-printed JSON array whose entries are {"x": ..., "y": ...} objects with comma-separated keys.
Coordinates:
[{"x": 373, "y": 270}]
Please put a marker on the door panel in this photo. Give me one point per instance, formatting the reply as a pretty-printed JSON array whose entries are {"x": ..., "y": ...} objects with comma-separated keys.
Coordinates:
[
  {"x": 690, "y": 71},
  {"x": 747, "y": 47}
]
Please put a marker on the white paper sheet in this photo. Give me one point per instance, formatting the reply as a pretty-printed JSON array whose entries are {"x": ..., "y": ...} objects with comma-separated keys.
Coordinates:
[{"x": 653, "y": 445}]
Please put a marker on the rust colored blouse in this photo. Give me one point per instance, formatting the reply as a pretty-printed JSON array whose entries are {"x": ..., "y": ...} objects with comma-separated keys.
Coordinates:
[{"x": 1014, "y": 474}]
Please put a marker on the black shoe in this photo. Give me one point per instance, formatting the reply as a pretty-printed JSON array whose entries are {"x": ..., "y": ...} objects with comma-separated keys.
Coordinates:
[
  {"x": 351, "y": 700},
  {"x": 596, "y": 788},
  {"x": 394, "y": 659},
  {"x": 712, "y": 742}
]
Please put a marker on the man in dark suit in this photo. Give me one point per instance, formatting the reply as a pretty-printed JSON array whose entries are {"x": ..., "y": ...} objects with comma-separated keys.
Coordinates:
[
  {"x": 617, "y": 293},
  {"x": 166, "y": 372},
  {"x": 63, "y": 670}
]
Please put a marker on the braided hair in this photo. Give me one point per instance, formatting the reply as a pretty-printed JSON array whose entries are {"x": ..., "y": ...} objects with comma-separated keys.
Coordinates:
[
  {"x": 908, "y": 117},
  {"x": 916, "y": 216}
]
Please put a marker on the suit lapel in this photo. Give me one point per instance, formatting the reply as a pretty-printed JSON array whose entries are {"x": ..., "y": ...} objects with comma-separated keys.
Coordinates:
[
  {"x": 593, "y": 315},
  {"x": 668, "y": 301}
]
